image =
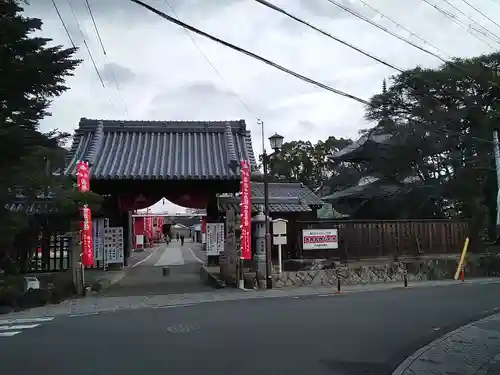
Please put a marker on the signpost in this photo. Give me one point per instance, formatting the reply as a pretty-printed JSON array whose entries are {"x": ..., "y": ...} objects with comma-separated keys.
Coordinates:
[{"x": 279, "y": 238}]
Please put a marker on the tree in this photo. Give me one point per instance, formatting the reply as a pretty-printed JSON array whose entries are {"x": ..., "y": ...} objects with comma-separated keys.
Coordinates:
[
  {"x": 32, "y": 74},
  {"x": 302, "y": 161},
  {"x": 444, "y": 120}
]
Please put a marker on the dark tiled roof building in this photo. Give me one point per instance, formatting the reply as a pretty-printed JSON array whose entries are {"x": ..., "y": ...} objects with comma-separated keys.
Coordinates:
[
  {"x": 305, "y": 200},
  {"x": 161, "y": 150}
]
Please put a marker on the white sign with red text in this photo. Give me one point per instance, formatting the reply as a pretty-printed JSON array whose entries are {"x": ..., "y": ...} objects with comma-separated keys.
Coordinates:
[{"x": 320, "y": 239}]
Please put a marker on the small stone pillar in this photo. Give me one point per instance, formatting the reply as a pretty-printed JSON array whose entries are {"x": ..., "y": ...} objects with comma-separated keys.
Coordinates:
[{"x": 260, "y": 249}]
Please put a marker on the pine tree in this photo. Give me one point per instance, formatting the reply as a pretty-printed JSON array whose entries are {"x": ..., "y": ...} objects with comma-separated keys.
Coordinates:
[{"x": 32, "y": 74}]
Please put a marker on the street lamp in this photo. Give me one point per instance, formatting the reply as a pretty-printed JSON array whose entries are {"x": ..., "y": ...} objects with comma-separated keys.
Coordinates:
[{"x": 276, "y": 142}]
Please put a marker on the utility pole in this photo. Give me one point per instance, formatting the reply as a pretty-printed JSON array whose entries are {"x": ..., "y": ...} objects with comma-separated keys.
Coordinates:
[{"x": 496, "y": 152}]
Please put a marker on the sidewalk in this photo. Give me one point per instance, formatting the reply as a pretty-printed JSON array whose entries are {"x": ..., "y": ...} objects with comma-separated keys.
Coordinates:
[
  {"x": 473, "y": 349},
  {"x": 96, "y": 304}
]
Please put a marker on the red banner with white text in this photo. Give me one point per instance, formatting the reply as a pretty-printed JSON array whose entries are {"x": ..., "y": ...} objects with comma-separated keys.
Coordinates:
[
  {"x": 83, "y": 176},
  {"x": 246, "y": 211},
  {"x": 87, "y": 246},
  {"x": 83, "y": 183}
]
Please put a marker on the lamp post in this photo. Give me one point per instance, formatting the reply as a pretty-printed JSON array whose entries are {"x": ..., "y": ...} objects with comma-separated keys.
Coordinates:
[{"x": 276, "y": 142}]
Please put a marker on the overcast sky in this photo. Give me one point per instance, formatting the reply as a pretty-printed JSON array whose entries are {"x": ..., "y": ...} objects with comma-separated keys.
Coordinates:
[{"x": 163, "y": 76}]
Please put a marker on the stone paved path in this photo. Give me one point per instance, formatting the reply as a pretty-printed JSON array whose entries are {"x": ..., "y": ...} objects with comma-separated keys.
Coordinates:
[{"x": 147, "y": 279}]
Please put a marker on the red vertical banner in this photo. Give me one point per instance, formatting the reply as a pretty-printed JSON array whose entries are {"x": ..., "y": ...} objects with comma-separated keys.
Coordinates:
[
  {"x": 203, "y": 224},
  {"x": 83, "y": 183},
  {"x": 146, "y": 230},
  {"x": 83, "y": 176},
  {"x": 246, "y": 211},
  {"x": 150, "y": 227},
  {"x": 160, "y": 226},
  {"x": 87, "y": 246}
]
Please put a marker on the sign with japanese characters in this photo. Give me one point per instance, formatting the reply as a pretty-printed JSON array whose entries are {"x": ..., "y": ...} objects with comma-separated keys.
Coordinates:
[
  {"x": 246, "y": 211},
  {"x": 83, "y": 176},
  {"x": 87, "y": 245}
]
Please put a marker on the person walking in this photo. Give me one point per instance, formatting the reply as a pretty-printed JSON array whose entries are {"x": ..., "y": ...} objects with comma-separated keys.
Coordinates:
[
  {"x": 182, "y": 240},
  {"x": 177, "y": 236}
]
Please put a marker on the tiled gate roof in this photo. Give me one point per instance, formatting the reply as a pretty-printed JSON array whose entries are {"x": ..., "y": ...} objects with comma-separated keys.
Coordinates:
[
  {"x": 307, "y": 200},
  {"x": 155, "y": 150}
]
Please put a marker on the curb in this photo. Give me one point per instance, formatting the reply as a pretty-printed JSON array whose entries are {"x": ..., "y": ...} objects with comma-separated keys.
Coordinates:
[
  {"x": 405, "y": 366},
  {"x": 238, "y": 295}
]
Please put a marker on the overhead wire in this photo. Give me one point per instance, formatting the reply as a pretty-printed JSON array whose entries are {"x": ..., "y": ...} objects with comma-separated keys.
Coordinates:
[
  {"x": 284, "y": 12},
  {"x": 485, "y": 32},
  {"x": 277, "y": 66},
  {"x": 113, "y": 76},
  {"x": 63, "y": 24},
  {"x": 393, "y": 21},
  {"x": 248, "y": 53},
  {"x": 303, "y": 22},
  {"x": 95, "y": 27},
  {"x": 482, "y": 13},
  {"x": 456, "y": 21},
  {"x": 386, "y": 30},
  {"x": 228, "y": 87},
  {"x": 406, "y": 40},
  {"x": 85, "y": 44}
]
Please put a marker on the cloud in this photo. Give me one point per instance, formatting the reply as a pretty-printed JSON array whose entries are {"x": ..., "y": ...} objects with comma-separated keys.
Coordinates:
[
  {"x": 112, "y": 72},
  {"x": 164, "y": 75}
]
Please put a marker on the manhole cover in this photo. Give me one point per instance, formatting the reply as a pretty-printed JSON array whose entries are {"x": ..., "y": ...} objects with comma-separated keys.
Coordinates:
[{"x": 183, "y": 328}]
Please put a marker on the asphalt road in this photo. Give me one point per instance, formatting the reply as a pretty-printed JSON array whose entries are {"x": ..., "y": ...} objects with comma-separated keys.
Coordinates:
[{"x": 354, "y": 334}]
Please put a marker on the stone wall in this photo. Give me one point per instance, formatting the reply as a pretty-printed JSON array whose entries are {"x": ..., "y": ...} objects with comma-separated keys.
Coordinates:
[{"x": 428, "y": 268}]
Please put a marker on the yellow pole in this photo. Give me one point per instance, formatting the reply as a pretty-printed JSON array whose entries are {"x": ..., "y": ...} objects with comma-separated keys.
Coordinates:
[{"x": 462, "y": 258}]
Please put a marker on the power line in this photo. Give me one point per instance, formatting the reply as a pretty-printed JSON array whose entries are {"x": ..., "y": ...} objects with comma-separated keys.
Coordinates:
[
  {"x": 367, "y": 54},
  {"x": 85, "y": 44},
  {"x": 228, "y": 87},
  {"x": 115, "y": 81},
  {"x": 380, "y": 27},
  {"x": 248, "y": 53},
  {"x": 63, "y": 23},
  {"x": 487, "y": 33},
  {"x": 386, "y": 30},
  {"x": 95, "y": 26},
  {"x": 481, "y": 13},
  {"x": 279, "y": 67},
  {"x": 416, "y": 76},
  {"x": 457, "y": 21},
  {"x": 404, "y": 28}
]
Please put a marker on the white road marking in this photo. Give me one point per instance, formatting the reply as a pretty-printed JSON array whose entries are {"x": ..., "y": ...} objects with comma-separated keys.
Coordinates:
[
  {"x": 324, "y": 295},
  {"x": 12, "y": 327},
  {"x": 9, "y": 334},
  {"x": 195, "y": 257},
  {"x": 26, "y": 320},
  {"x": 173, "y": 306},
  {"x": 18, "y": 326},
  {"x": 436, "y": 329},
  {"x": 149, "y": 256},
  {"x": 82, "y": 314}
]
